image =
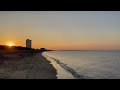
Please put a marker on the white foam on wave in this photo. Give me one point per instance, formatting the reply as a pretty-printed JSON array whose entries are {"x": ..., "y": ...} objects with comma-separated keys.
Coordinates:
[{"x": 61, "y": 73}]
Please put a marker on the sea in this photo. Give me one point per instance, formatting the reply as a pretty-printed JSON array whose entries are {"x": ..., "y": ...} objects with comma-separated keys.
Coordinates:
[{"x": 85, "y": 64}]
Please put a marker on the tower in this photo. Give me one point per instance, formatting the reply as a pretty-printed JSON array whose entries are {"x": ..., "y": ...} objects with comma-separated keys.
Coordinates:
[{"x": 28, "y": 43}]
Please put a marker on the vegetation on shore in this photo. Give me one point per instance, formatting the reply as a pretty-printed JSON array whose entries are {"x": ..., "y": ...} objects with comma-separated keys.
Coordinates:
[{"x": 11, "y": 53}]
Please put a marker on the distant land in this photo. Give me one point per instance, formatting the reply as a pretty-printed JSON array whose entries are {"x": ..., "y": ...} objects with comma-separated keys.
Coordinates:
[{"x": 5, "y": 47}]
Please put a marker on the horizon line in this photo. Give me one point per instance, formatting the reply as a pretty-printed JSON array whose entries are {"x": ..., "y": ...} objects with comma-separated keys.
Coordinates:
[
  {"x": 84, "y": 50},
  {"x": 67, "y": 50}
]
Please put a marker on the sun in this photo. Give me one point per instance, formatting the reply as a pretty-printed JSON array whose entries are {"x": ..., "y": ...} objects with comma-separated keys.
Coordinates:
[{"x": 10, "y": 44}]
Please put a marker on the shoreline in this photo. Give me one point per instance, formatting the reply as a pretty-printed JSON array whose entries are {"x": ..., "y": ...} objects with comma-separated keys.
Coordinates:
[{"x": 28, "y": 67}]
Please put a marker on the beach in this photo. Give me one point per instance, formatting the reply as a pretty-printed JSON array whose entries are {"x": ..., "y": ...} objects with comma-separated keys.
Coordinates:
[{"x": 26, "y": 66}]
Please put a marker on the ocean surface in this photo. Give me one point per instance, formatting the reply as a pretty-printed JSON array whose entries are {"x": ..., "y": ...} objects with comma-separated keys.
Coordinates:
[{"x": 96, "y": 64}]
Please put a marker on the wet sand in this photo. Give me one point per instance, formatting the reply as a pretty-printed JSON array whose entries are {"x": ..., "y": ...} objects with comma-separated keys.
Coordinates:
[{"x": 28, "y": 67}]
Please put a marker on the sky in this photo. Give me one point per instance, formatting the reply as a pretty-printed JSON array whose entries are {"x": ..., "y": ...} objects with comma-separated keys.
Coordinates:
[{"x": 62, "y": 30}]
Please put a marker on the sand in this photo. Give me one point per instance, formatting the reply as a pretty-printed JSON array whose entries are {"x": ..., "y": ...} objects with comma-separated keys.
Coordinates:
[{"x": 28, "y": 67}]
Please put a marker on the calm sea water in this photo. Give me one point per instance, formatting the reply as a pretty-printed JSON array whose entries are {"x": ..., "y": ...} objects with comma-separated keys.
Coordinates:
[{"x": 85, "y": 64}]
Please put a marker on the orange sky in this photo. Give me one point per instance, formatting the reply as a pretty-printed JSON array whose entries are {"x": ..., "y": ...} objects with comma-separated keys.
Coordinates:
[{"x": 62, "y": 30}]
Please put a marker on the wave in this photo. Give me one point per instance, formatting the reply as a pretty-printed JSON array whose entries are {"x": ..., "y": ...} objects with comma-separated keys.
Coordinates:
[{"x": 67, "y": 68}]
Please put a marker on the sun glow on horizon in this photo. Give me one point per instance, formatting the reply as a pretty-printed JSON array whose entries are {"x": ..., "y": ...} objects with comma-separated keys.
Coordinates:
[{"x": 10, "y": 44}]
